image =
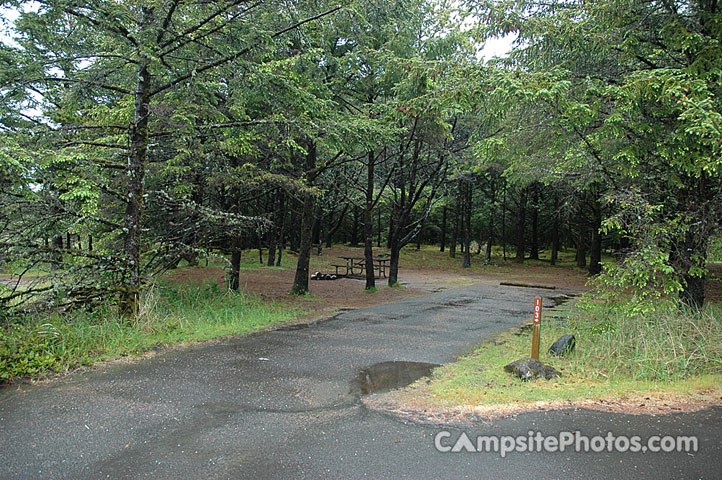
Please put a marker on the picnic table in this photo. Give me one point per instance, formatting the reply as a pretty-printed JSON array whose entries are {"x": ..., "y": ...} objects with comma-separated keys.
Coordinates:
[{"x": 353, "y": 265}]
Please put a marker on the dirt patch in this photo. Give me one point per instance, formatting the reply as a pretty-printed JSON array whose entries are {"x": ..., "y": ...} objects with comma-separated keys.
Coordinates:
[
  {"x": 656, "y": 403},
  {"x": 422, "y": 272},
  {"x": 326, "y": 296},
  {"x": 559, "y": 277}
]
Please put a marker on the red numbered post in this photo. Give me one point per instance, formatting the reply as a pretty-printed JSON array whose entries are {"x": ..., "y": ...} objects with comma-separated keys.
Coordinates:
[
  {"x": 536, "y": 328},
  {"x": 537, "y": 310}
]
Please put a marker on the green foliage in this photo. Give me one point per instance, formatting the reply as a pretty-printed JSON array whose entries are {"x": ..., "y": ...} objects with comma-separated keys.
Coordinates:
[
  {"x": 640, "y": 278},
  {"x": 715, "y": 249},
  {"x": 616, "y": 98},
  {"x": 39, "y": 345},
  {"x": 27, "y": 350},
  {"x": 662, "y": 343},
  {"x": 644, "y": 274}
]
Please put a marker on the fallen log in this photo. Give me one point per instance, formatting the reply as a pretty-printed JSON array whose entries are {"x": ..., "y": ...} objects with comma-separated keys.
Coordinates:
[{"x": 527, "y": 285}]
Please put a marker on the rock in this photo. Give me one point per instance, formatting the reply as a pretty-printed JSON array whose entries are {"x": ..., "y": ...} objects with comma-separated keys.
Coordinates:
[
  {"x": 521, "y": 368},
  {"x": 529, "y": 369},
  {"x": 550, "y": 372},
  {"x": 564, "y": 345}
]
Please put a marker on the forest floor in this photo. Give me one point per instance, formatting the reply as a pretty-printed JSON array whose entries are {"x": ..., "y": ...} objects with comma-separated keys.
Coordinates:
[{"x": 422, "y": 271}]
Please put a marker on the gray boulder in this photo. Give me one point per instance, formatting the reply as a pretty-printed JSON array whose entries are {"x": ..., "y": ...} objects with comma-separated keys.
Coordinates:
[
  {"x": 529, "y": 369},
  {"x": 563, "y": 346}
]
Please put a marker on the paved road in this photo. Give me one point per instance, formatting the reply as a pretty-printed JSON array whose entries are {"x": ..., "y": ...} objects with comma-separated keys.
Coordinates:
[{"x": 282, "y": 404}]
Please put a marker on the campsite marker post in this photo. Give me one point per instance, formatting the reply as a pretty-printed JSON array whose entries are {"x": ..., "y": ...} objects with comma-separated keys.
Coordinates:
[{"x": 535, "y": 331}]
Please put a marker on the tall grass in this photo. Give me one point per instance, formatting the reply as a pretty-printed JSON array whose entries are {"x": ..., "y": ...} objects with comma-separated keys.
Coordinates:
[
  {"x": 667, "y": 343},
  {"x": 42, "y": 344},
  {"x": 672, "y": 349}
]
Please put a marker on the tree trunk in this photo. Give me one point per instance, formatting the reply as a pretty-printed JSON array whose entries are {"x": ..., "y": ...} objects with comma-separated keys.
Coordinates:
[
  {"x": 294, "y": 233},
  {"x": 443, "y": 229},
  {"x": 467, "y": 224},
  {"x": 368, "y": 223},
  {"x": 136, "y": 173},
  {"x": 319, "y": 245},
  {"x": 273, "y": 234},
  {"x": 455, "y": 230},
  {"x": 581, "y": 256},
  {"x": 489, "y": 238},
  {"x": 420, "y": 236},
  {"x": 624, "y": 245},
  {"x": 378, "y": 228},
  {"x": 282, "y": 230},
  {"x": 300, "y": 281},
  {"x": 555, "y": 231},
  {"x": 57, "y": 244},
  {"x": 595, "y": 251},
  {"x": 354, "y": 229},
  {"x": 503, "y": 225},
  {"x": 534, "y": 247},
  {"x": 395, "y": 241},
  {"x": 316, "y": 231},
  {"x": 692, "y": 254},
  {"x": 521, "y": 228},
  {"x": 272, "y": 238},
  {"x": 90, "y": 243},
  {"x": 235, "y": 276}
]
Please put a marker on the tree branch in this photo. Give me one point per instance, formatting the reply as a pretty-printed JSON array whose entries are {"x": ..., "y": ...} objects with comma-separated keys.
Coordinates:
[{"x": 236, "y": 55}]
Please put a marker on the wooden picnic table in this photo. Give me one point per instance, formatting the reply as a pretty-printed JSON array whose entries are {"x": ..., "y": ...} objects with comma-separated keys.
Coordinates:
[{"x": 359, "y": 263}]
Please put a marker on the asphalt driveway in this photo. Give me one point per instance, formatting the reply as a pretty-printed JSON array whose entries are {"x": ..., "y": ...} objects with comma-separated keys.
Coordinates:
[{"x": 285, "y": 404}]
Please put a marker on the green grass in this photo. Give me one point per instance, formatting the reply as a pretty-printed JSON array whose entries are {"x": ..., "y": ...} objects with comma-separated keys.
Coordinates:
[
  {"x": 671, "y": 350},
  {"x": 170, "y": 315}
]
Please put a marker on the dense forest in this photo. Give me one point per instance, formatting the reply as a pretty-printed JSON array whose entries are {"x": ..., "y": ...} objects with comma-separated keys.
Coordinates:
[{"x": 139, "y": 135}]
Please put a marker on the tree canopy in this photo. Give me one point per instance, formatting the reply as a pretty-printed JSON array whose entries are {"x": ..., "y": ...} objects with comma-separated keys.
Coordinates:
[{"x": 136, "y": 135}]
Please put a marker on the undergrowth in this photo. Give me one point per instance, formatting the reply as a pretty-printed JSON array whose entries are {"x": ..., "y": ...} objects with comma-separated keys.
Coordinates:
[
  {"x": 32, "y": 346},
  {"x": 671, "y": 348}
]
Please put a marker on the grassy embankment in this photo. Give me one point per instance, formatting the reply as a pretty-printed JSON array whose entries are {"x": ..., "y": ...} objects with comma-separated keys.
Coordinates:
[
  {"x": 33, "y": 346},
  {"x": 672, "y": 351}
]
